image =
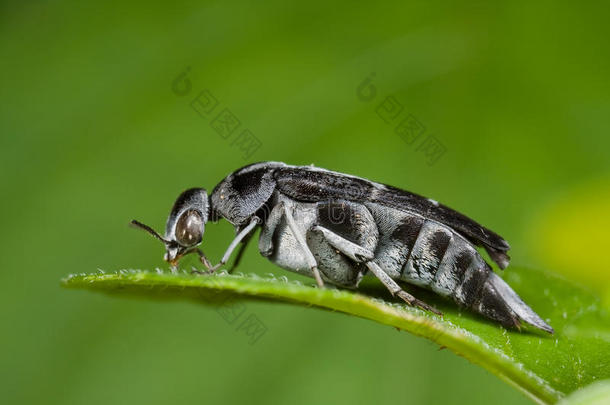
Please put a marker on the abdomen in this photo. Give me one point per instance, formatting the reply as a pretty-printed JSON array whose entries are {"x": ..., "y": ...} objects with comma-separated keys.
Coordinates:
[
  {"x": 426, "y": 253},
  {"x": 445, "y": 262}
]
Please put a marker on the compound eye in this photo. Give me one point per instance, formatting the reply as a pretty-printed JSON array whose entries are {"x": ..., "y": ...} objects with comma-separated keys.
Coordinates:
[{"x": 189, "y": 228}]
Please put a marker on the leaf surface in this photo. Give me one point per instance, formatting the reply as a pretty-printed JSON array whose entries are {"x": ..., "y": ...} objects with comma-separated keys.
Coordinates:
[{"x": 545, "y": 367}]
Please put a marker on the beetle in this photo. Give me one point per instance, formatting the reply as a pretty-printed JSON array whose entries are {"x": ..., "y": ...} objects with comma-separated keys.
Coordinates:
[{"x": 336, "y": 228}]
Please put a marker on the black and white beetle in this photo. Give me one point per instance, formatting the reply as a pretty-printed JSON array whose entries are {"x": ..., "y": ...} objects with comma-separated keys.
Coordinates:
[{"x": 336, "y": 227}]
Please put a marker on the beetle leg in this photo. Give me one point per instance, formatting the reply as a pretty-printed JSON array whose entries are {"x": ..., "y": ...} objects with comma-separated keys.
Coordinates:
[
  {"x": 298, "y": 234},
  {"x": 240, "y": 252},
  {"x": 225, "y": 258},
  {"x": 395, "y": 289},
  {"x": 359, "y": 254},
  {"x": 203, "y": 258},
  {"x": 350, "y": 249},
  {"x": 265, "y": 240}
]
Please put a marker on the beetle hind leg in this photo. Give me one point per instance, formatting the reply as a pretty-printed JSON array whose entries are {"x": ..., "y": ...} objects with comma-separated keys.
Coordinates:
[
  {"x": 395, "y": 289},
  {"x": 361, "y": 255}
]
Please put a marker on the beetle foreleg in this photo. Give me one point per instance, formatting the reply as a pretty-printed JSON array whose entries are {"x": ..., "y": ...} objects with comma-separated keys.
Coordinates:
[
  {"x": 225, "y": 258},
  {"x": 240, "y": 252}
]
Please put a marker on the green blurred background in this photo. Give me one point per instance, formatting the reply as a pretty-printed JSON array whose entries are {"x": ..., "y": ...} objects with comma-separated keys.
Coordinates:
[{"x": 92, "y": 135}]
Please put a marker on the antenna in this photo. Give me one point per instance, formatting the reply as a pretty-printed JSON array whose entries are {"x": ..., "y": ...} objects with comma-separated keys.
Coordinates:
[{"x": 137, "y": 224}]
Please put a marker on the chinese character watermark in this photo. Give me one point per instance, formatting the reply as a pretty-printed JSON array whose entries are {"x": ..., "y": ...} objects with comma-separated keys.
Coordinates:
[
  {"x": 221, "y": 120},
  {"x": 235, "y": 313},
  {"x": 406, "y": 126},
  {"x": 204, "y": 104},
  {"x": 432, "y": 148},
  {"x": 409, "y": 129},
  {"x": 389, "y": 109},
  {"x": 253, "y": 328},
  {"x": 225, "y": 123}
]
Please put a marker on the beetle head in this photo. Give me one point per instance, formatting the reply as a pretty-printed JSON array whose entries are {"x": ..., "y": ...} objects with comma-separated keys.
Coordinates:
[{"x": 185, "y": 225}]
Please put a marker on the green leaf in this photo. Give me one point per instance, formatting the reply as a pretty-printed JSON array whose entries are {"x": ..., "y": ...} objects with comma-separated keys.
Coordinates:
[
  {"x": 545, "y": 367},
  {"x": 595, "y": 394}
]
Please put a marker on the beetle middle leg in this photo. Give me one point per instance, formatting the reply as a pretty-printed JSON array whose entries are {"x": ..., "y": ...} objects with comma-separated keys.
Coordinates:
[
  {"x": 298, "y": 234},
  {"x": 267, "y": 239}
]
